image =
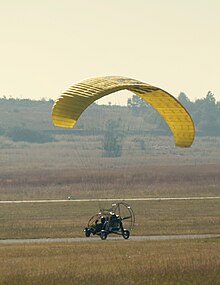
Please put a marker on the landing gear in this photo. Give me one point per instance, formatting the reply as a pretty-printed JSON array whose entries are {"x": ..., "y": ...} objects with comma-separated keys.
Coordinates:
[
  {"x": 103, "y": 235},
  {"x": 119, "y": 220},
  {"x": 126, "y": 234}
]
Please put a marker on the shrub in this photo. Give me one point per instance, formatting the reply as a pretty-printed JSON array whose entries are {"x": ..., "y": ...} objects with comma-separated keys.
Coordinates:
[{"x": 28, "y": 135}]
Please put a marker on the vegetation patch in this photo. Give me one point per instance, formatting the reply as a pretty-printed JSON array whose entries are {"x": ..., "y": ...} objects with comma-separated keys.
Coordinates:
[
  {"x": 17, "y": 134},
  {"x": 112, "y": 262}
]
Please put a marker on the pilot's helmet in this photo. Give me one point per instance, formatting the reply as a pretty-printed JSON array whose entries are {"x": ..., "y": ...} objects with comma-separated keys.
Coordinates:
[{"x": 102, "y": 219}]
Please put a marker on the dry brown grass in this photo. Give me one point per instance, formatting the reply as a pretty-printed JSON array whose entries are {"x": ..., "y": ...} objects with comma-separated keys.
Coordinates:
[
  {"x": 112, "y": 262},
  {"x": 63, "y": 168},
  {"x": 150, "y": 181},
  {"x": 74, "y": 166},
  {"x": 68, "y": 219}
]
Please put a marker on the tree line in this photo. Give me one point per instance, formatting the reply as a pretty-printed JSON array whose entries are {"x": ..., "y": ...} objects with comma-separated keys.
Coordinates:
[
  {"x": 29, "y": 120},
  {"x": 205, "y": 113}
]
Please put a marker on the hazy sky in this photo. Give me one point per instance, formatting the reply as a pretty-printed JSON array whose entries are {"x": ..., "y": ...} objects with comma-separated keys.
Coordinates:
[{"x": 47, "y": 45}]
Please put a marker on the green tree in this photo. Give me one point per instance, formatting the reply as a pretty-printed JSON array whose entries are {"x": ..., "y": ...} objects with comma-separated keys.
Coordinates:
[
  {"x": 112, "y": 142},
  {"x": 206, "y": 115},
  {"x": 185, "y": 101},
  {"x": 33, "y": 136},
  {"x": 137, "y": 105}
]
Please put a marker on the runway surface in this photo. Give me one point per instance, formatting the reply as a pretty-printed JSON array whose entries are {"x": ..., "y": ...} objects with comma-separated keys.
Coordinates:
[
  {"x": 110, "y": 199},
  {"x": 96, "y": 238}
]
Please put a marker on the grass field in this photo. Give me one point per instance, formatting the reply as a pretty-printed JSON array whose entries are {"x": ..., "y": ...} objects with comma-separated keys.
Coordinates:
[
  {"x": 112, "y": 262},
  {"x": 72, "y": 167},
  {"x": 36, "y": 220}
]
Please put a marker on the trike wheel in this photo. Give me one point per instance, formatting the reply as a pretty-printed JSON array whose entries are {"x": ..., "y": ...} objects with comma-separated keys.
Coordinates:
[
  {"x": 87, "y": 232},
  {"x": 126, "y": 234},
  {"x": 103, "y": 235}
]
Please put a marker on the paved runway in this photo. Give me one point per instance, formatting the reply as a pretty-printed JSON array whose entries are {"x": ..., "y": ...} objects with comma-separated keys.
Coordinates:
[
  {"x": 111, "y": 199},
  {"x": 96, "y": 238}
]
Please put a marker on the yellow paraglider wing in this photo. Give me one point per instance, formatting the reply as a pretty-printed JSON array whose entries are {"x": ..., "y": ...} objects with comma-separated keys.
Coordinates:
[{"x": 72, "y": 102}]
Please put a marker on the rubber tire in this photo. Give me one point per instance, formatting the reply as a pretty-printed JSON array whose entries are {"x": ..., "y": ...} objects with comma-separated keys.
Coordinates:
[
  {"x": 103, "y": 235},
  {"x": 87, "y": 232},
  {"x": 126, "y": 234}
]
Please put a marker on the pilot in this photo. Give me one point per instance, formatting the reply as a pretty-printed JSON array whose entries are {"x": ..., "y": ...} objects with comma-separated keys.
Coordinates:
[{"x": 103, "y": 220}]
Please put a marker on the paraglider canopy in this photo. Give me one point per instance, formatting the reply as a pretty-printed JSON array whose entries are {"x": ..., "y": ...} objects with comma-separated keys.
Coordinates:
[{"x": 72, "y": 102}]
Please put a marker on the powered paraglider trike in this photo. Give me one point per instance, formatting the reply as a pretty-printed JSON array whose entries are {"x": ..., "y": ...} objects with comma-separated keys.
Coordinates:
[{"x": 119, "y": 220}]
